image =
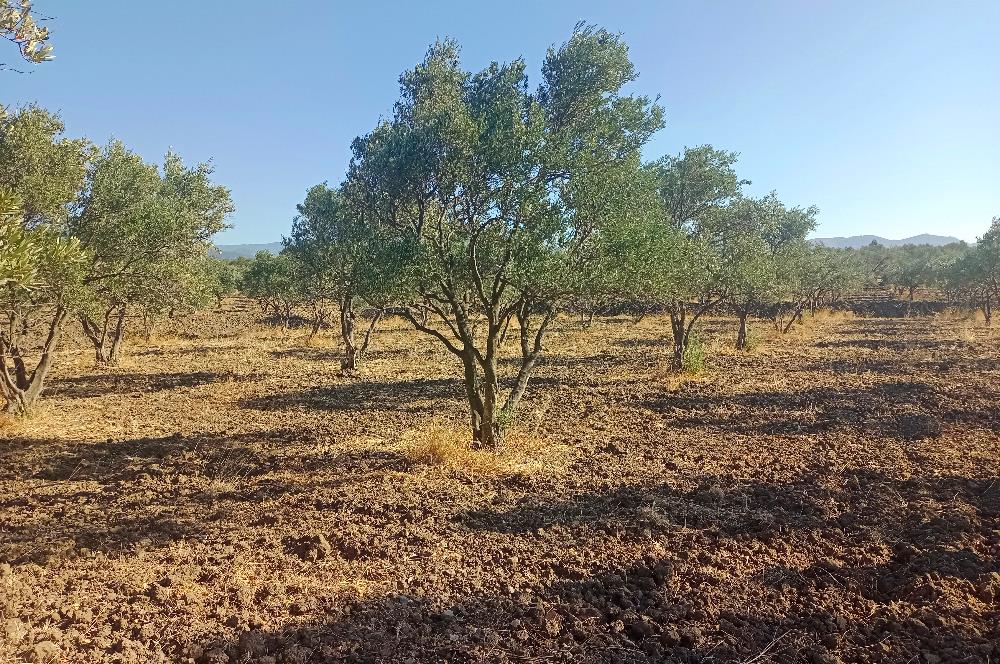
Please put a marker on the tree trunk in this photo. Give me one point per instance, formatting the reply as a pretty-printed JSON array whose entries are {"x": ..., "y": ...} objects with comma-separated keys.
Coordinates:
[
  {"x": 317, "y": 323},
  {"x": 988, "y": 311},
  {"x": 796, "y": 316},
  {"x": 349, "y": 363},
  {"x": 482, "y": 429},
  {"x": 22, "y": 390},
  {"x": 116, "y": 338},
  {"x": 741, "y": 336},
  {"x": 17, "y": 404},
  {"x": 531, "y": 349},
  {"x": 490, "y": 434},
  {"x": 106, "y": 339},
  {"x": 678, "y": 330}
]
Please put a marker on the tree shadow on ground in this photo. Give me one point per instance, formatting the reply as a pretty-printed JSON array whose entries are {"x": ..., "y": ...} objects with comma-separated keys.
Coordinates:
[
  {"x": 413, "y": 396},
  {"x": 118, "y": 496},
  {"x": 96, "y": 385},
  {"x": 156, "y": 350},
  {"x": 903, "y": 409},
  {"x": 938, "y": 532},
  {"x": 895, "y": 345},
  {"x": 334, "y": 355},
  {"x": 738, "y": 510},
  {"x": 122, "y": 459}
]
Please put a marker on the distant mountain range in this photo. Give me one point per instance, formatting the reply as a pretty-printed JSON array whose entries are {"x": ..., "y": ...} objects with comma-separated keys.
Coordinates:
[
  {"x": 231, "y": 251},
  {"x": 858, "y": 241}
]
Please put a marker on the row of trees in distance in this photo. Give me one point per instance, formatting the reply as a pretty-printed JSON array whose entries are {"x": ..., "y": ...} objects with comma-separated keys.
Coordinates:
[
  {"x": 482, "y": 209},
  {"x": 95, "y": 235},
  {"x": 479, "y": 211}
]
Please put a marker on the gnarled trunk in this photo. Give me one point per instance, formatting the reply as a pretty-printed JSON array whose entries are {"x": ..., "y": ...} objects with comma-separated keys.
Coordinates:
[
  {"x": 106, "y": 338},
  {"x": 681, "y": 326},
  {"x": 796, "y": 316},
  {"x": 487, "y": 428},
  {"x": 20, "y": 388},
  {"x": 319, "y": 319},
  {"x": 348, "y": 323},
  {"x": 489, "y": 415}
]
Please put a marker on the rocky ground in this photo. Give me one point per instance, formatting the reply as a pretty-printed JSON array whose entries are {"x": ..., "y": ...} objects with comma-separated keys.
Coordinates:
[{"x": 226, "y": 496}]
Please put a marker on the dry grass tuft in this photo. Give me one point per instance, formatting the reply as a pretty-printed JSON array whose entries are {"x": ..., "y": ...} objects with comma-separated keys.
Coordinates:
[
  {"x": 671, "y": 380},
  {"x": 958, "y": 314},
  {"x": 966, "y": 331},
  {"x": 319, "y": 341},
  {"x": 37, "y": 422},
  {"x": 9, "y": 423},
  {"x": 448, "y": 445}
]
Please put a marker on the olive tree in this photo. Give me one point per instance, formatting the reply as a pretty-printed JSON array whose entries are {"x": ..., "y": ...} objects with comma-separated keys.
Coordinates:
[
  {"x": 221, "y": 277},
  {"x": 39, "y": 270},
  {"x": 975, "y": 275},
  {"x": 344, "y": 260},
  {"x": 40, "y": 267},
  {"x": 147, "y": 232},
  {"x": 272, "y": 281},
  {"x": 503, "y": 194},
  {"x": 695, "y": 189},
  {"x": 40, "y": 166},
  {"x": 760, "y": 239},
  {"x": 813, "y": 273}
]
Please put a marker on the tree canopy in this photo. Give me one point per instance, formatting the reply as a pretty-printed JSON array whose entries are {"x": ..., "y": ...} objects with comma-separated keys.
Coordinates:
[{"x": 504, "y": 193}]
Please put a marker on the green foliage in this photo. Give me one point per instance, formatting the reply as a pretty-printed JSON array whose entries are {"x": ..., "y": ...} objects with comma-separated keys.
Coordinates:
[
  {"x": 18, "y": 254},
  {"x": 221, "y": 278},
  {"x": 694, "y": 190},
  {"x": 910, "y": 267},
  {"x": 504, "y": 194},
  {"x": 148, "y": 232},
  {"x": 696, "y": 183},
  {"x": 41, "y": 268},
  {"x": 816, "y": 271},
  {"x": 35, "y": 263},
  {"x": 143, "y": 226},
  {"x": 695, "y": 354},
  {"x": 338, "y": 256},
  {"x": 974, "y": 276},
  {"x": 39, "y": 271},
  {"x": 757, "y": 242},
  {"x": 40, "y": 173},
  {"x": 273, "y": 281},
  {"x": 43, "y": 169}
]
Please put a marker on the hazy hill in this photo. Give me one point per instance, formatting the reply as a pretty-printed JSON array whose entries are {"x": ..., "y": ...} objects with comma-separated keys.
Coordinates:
[
  {"x": 247, "y": 250},
  {"x": 856, "y": 241}
]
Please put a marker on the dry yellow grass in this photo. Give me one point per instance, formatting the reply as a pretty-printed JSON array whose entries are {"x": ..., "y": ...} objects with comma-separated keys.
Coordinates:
[
  {"x": 450, "y": 445},
  {"x": 8, "y": 423}
]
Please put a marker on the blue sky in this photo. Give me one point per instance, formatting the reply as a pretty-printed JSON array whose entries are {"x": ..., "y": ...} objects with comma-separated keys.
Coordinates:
[{"x": 884, "y": 114}]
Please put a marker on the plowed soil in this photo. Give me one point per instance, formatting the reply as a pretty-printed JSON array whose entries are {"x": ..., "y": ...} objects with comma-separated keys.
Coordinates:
[{"x": 225, "y": 496}]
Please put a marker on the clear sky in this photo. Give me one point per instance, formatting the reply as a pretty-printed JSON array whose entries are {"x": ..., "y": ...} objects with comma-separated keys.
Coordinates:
[{"x": 885, "y": 114}]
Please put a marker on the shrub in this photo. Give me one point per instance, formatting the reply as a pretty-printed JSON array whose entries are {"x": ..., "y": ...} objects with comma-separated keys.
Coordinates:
[{"x": 694, "y": 354}]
